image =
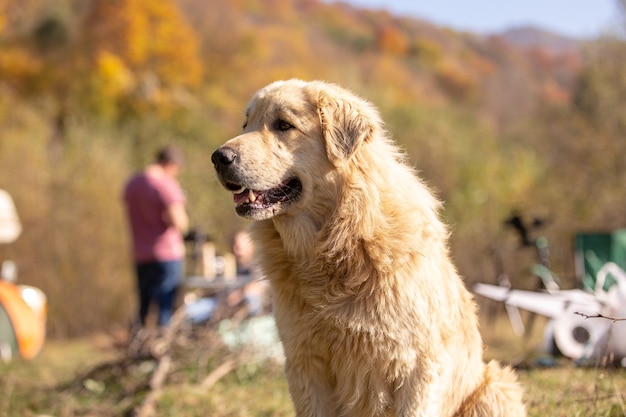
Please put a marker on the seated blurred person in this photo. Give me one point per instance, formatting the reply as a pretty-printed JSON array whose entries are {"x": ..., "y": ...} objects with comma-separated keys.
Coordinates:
[
  {"x": 254, "y": 292},
  {"x": 243, "y": 301}
]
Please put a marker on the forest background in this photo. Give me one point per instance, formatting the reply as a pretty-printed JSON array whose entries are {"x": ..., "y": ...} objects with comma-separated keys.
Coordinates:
[{"x": 89, "y": 89}]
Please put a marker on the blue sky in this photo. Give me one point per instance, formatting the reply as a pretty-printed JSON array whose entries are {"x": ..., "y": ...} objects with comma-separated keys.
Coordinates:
[{"x": 576, "y": 18}]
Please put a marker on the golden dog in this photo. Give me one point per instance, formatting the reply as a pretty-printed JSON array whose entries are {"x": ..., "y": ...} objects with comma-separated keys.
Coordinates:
[{"x": 374, "y": 319}]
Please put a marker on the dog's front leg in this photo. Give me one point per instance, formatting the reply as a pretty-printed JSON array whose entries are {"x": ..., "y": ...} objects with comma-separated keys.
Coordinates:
[
  {"x": 310, "y": 396},
  {"x": 418, "y": 396}
]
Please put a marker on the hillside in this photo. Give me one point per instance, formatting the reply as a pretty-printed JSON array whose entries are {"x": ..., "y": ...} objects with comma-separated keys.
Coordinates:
[
  {"x": 89, "y": 88},
  {"x": 535, "y": 37}
]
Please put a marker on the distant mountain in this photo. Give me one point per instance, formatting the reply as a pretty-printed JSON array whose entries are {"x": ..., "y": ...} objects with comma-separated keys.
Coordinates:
[{"x": 535, "y": 37}]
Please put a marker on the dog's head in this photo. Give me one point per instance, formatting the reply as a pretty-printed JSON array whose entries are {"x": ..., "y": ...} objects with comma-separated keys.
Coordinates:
[{"x": 295, "y": 136}]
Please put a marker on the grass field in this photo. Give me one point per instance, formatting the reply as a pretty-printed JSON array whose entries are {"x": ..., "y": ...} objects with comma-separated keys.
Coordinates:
[{"x": 57, "y": 383}]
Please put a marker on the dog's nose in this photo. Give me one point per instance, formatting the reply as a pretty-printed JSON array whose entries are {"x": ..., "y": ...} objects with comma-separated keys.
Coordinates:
[{"x": 223, "y": 157}]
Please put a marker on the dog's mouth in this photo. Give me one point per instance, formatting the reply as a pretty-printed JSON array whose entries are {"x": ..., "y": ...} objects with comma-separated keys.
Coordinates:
[{"x": 250, "y": 203}]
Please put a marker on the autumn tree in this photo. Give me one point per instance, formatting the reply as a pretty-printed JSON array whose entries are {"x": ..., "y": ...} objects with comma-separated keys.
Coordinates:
[
  {"x": 391, "y": 40},
  {"x": 601, "y": 91},
  {"x": 141, "y": 47}
]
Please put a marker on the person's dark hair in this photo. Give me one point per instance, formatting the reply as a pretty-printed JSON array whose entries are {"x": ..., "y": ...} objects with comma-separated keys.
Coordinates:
[{"x": 170, "y": 154}]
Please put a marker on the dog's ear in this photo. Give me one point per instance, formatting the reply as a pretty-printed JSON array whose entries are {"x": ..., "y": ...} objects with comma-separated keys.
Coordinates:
[{"x": 346, "y": 123}]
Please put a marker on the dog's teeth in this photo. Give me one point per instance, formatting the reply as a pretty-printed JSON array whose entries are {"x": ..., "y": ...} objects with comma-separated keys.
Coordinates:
[{"x": 251, "y": 196}]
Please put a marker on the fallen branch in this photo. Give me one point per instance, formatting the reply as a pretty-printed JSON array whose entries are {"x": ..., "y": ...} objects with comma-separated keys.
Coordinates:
[
  {"x": 147, "y": 407},
  {"x": 219, "y": 372},
  {"x": 161, "y": 350}
]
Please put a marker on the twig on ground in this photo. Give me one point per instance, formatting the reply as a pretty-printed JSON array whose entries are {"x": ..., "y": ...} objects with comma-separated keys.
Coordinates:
[
  {"x": 219, "y": 372},
  {"x": 599, "y": 316},
  {"x": 147, "y": 407},
  {"x": 161, "y": 350}
]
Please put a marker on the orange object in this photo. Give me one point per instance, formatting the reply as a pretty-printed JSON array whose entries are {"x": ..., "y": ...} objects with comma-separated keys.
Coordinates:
[{"x": 22, "y": 319}]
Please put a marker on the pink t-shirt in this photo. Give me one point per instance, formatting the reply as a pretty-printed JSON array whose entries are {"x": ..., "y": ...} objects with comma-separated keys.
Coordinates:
[{"x": 147, "y": 197}]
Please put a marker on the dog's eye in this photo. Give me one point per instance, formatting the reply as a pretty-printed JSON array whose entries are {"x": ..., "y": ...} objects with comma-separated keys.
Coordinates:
[{"x": 282, "y": 125}]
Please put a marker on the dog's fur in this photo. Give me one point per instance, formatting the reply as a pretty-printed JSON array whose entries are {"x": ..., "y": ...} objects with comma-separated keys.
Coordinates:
[{"x": 374, "y": 319}]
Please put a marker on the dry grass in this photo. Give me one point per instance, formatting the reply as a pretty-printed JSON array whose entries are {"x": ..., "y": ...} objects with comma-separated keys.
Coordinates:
[
  {"x": 570, "y": 392},
  {"x": 49, "y": 384},
  {"x": 562, "y": 390}
]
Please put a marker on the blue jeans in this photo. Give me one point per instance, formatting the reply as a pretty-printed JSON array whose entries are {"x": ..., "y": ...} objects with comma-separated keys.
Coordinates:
[{"x": 158, "y": 282}]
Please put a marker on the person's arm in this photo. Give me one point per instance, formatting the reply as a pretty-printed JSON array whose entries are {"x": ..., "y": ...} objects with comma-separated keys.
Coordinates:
[{"x": 176, "y": 216}]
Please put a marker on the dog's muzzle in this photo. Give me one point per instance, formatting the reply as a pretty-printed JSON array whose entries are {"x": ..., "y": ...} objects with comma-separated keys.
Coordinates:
[{"x": 251, "y": 202}]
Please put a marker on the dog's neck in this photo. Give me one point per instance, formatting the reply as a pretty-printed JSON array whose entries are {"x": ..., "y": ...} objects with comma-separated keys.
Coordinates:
[{"x": 298, "y": 235}]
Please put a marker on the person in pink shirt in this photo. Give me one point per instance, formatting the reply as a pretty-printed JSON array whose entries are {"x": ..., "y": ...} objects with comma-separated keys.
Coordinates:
[{"x": 155, "y": 207}]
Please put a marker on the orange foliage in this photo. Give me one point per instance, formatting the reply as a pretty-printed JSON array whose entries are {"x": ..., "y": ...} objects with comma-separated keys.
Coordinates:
[
  {"x": 482, "y": 66},
  {"x": 17, "y": 66},
  {"x": 391, "y": 40},
  {"x": 457, "y": 82},
  {"x": 150, "y": 36},
  {"x": 113, "y": 76},
  {"x": 553, "y": 93}
]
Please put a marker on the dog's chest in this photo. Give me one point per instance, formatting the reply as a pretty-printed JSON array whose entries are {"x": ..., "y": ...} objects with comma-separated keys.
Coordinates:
[{"x": 313, "y": 320}]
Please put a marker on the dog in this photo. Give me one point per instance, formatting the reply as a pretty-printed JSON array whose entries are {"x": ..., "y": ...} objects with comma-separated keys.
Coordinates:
[{"x": 372, "y": 314}]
